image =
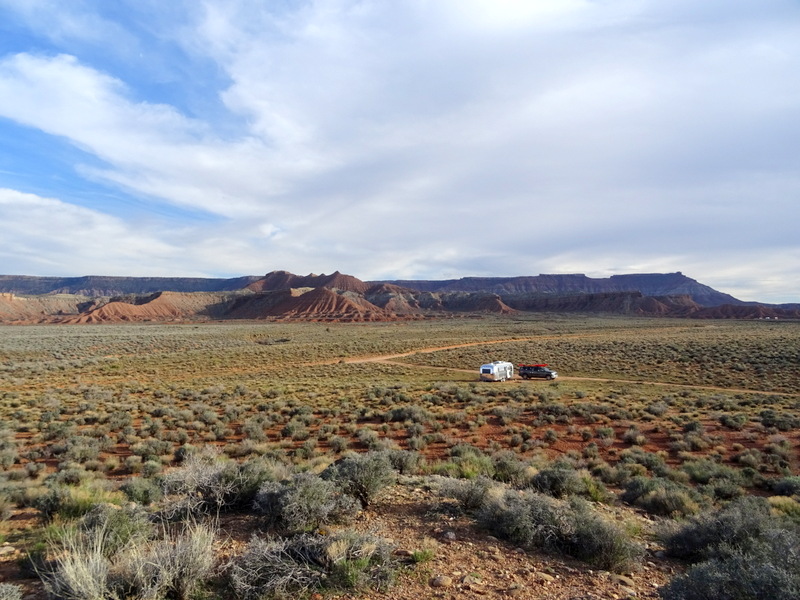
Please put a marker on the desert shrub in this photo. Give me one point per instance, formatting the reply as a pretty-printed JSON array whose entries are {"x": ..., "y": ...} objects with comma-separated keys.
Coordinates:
[
  {"x": 470, "y": 494},
  {"x": 50, "y": 502},
  {"x": 8, "y": 456},
  {"x": 416, "y": 443},
  {"x": 209, "y": 482},
  {"x": 10, "y": 591},
  {"x": 304, "y": 503},
  {"x": 6, "y": 506},
  {"x": 275, "y": 568},
  {"x": 174, "y": 567},
  {"x": 736, "y": 422},
  {"x": 558, "y": 481},
  {"x": 150, "y": 468},
  {"x": 788, "y": 486},
  {"x": 133, "y": 464},
  {"x": 82, "y": 448},
  {"x": 605, "y": 433},
  {"x": 73, "y": 502},
  {"x": 787, "y": 506},
  {"x": 660, "y": 496},
  {"x": 780, "y": 420},
  {"x": 508, "y": 467},
  {"x": 296, "y": 430},
  {"x": 471, "y": 461},
  {"x": 724, "y": 488},
  {"x": 412, "y": 412},
  {"x": 254, "y": 429},
  {"x": 338, "y": 444},
  {"x": 533, "y": 520},
  {"x": 359, "y": 561},
  {"x": 657, "y": 408},
  {"x": 653, "y": 462},
  {"x": 68, "y": 474},
  {"x": 768, "y": 568},
  {"x": 200, "y": 478},
  {"x": 634, "y": 436},
  {"x": 249, "y": 475},
  {"x": 120, "y": 526},
  {"x": 404, "y": 462},
  {"x": 507, "y": 414},
  {"x": 151, "y": 449},
  {"x": 81, "y": 567},
  {"x": 141, "y": 491},
  {"x": 600, "y": 542},
  {"x": 363, "y": 476},
  {"x": 368, "y": 437},
  {"x": 735, "y": 527},
  {"x": 705, "y": 470},
  {"x": 293, "y": 567}
]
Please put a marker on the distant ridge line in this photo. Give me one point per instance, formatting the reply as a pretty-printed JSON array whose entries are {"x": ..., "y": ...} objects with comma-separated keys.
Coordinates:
[{"x": 649, "y": 284}]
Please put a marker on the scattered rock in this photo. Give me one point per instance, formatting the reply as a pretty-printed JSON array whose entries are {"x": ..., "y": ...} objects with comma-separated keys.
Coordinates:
[
  {"x": 441, "y": 581},
  {"x": 623, "y": 580},
  {"x": 544, "y": 577},
  {"x": 516, "y": 590}
]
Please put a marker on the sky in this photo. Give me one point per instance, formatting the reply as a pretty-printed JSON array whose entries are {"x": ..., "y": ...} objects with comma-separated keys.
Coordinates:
[{"x": 403, "y": 139}]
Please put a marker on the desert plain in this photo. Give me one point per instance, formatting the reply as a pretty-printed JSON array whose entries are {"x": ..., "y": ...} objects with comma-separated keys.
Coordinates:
[{"x": 366, "y": 460}]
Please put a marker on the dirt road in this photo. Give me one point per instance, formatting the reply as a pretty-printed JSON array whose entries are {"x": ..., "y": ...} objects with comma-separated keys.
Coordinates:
[{"x": 393, "y": 359}]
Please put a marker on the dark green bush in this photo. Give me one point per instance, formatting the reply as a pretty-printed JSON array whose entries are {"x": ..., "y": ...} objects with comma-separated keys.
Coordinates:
[
  {"x": 788, "y": 486},
  {"x": 737, "y": 421}
]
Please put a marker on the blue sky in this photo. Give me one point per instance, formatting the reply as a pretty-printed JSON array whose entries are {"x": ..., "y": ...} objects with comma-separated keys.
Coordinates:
[{"x": 405, "y": 139}]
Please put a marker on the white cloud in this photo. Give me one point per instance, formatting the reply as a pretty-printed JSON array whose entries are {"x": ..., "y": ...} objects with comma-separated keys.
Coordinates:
[
  {"x": 67, "y": 22},
  {"x": 454, "y": 138},
  {"x": 39, "y": 233}
]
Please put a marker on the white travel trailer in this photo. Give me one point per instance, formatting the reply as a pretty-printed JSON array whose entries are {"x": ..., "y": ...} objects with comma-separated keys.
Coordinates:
[{"x": 498, "y": 370}]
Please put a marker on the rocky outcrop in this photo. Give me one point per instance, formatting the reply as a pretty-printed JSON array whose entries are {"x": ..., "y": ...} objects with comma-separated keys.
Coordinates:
[
  {"x": 323, "y": 304},
  {"x": 654, "y": 284},
  {"x": 98, "y": 286},
  {"x": 283, "y": 296},
  {"x": 281, "y": 280}
]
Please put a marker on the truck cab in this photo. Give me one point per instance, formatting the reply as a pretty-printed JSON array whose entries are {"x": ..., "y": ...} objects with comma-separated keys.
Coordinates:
[{"x": 540, "y": 371}]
